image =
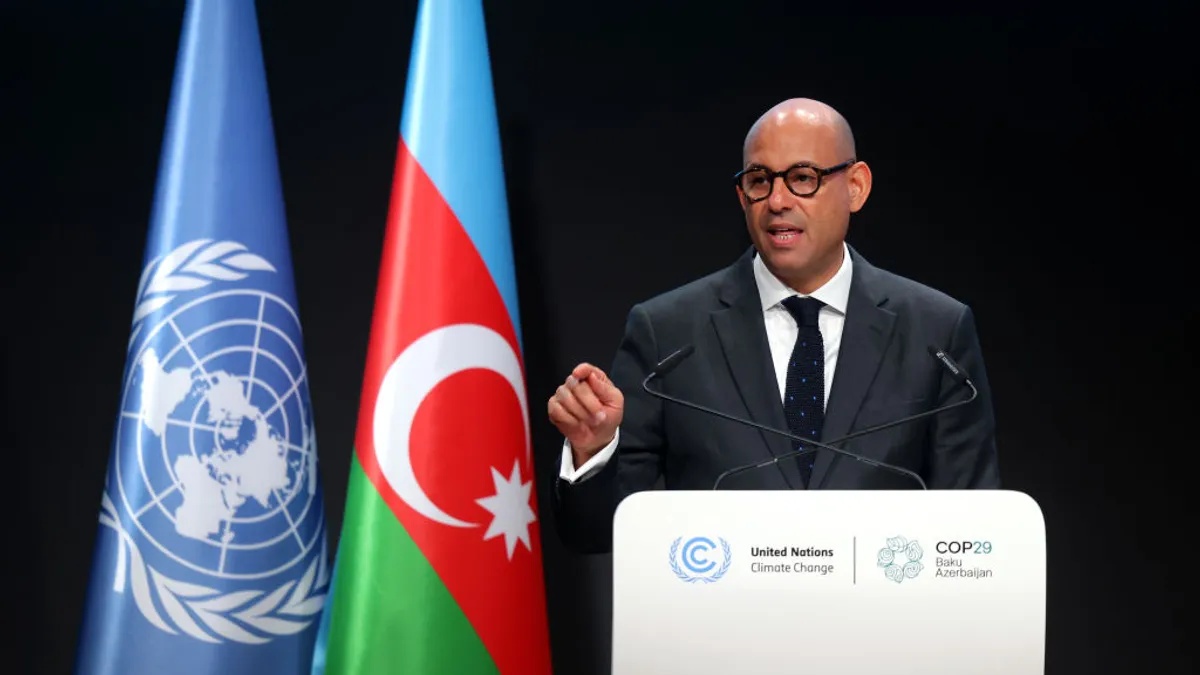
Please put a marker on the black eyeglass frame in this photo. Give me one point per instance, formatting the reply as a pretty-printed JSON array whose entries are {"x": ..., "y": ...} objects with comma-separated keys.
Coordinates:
[{"x": 821, "y": 174}]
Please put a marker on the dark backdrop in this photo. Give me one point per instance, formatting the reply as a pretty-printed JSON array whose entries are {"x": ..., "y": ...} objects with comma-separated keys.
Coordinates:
[{"x": 1031, "y": 165}]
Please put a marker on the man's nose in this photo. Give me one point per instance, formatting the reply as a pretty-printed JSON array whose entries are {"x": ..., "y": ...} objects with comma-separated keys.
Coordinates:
[{"x": 780, "y": 198}]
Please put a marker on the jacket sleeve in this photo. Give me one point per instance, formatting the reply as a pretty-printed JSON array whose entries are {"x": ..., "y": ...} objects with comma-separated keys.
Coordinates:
[{"x": 584, "y": 510}]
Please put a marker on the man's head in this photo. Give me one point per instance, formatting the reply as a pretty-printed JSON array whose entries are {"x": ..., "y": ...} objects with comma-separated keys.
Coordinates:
[{"x": 800, "y": 237}]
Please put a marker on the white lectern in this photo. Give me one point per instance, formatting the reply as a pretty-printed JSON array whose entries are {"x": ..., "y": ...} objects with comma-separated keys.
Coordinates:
[{"x": 824, "y": 582}]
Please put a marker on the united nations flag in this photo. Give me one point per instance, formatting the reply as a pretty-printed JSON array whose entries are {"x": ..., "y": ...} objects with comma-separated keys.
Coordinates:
[{"x": 210, "y": 556}]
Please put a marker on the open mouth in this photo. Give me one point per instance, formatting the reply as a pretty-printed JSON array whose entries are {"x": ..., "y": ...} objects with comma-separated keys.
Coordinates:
[{"x": 783, "y": 234}]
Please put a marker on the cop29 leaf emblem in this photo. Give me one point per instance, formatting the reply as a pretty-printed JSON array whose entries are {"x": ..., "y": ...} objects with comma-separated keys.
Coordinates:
[
  {"x": 699, "y": 559},
  {"x": 213, "y": 491},
  {"x": 901, "y": 559}
]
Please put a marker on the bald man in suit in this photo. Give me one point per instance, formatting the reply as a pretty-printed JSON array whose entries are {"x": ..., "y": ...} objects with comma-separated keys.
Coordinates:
[{"x": 799, "y": 333}]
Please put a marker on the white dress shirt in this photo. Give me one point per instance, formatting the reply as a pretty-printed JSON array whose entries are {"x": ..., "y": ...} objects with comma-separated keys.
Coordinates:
[{"x": 782, "y": 331}]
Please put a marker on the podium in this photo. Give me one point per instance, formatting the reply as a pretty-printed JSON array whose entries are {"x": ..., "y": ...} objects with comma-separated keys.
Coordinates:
[{"x": 829, "y": 583}]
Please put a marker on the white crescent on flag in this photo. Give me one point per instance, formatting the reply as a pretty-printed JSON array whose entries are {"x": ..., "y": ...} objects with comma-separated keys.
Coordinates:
[{"x": 423, "y": 365}]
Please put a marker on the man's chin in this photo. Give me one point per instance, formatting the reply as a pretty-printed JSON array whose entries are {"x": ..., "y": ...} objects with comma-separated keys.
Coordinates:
[
  {"x": 797, "y": 269},
  {"x": 785, "y": 263}
]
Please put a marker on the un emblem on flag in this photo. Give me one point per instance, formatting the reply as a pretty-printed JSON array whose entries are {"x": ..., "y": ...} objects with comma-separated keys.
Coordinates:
[{"x": 214, "y": 485}]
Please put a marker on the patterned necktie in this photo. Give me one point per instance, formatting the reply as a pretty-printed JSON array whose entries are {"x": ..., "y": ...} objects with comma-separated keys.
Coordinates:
[{"x": 804, "y": 393}]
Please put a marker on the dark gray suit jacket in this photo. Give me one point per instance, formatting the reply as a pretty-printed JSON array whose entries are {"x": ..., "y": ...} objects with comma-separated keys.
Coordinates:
[{"x": 884, "y": 372}]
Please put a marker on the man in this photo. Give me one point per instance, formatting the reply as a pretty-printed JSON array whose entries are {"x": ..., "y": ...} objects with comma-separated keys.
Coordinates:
[{"x": 801, "y": 333}]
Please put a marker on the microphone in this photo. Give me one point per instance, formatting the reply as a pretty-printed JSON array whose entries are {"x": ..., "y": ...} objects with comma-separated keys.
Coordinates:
[
  {"x": 668, "y": 364},
  {"x": 958, "y": 373},
  {"x": 672, "y": 361}
]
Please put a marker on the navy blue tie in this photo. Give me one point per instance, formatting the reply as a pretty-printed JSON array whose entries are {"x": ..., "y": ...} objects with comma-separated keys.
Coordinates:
[{"x": 804, "y": 393}]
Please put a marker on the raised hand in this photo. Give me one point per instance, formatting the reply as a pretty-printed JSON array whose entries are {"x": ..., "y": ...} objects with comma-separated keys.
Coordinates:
[{"x": 587, "y": 409}]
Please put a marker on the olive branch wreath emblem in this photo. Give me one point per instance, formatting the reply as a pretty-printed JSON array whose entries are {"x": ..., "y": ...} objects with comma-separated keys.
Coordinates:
[
  {"x": 201, "y": 612},
  {"x": 674, "y": 560}
]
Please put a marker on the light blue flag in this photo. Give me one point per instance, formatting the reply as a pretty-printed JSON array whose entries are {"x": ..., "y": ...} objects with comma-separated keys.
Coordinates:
[{"x": 211, "y": 555}]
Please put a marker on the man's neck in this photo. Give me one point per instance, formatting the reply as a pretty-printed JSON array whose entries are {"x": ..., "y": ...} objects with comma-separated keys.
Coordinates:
[{"x": 811, "y": 282}]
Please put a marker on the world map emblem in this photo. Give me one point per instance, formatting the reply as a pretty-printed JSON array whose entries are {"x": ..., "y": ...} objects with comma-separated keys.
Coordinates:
[{"x": 214, "y": 486}]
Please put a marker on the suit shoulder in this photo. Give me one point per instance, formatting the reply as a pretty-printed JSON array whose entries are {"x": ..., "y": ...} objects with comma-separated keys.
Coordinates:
[
  {"x": 918, "y": 296},
  {"x": 687, "y": 298}
]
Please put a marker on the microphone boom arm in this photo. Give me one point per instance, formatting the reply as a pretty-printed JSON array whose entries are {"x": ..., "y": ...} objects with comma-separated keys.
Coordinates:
[
  {"x": 814, "y": 444},
  {"x": 905, "y": 420},
  {"x": 671, "y": 362}
]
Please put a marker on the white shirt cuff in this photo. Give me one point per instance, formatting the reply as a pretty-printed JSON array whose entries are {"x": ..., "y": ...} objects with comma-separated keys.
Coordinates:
[{"x": 568, "y": 471}]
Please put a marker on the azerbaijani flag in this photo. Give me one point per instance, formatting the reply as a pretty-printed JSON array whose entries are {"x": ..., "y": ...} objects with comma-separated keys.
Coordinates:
[{"x": 439, "y": 564}]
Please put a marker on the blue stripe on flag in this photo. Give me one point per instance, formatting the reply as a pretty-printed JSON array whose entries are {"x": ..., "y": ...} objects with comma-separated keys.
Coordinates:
[{"x": 449, "y": 124}]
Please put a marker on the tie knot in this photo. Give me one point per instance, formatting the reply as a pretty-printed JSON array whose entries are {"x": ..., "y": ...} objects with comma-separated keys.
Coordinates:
[{"x": 804, "y": 310}]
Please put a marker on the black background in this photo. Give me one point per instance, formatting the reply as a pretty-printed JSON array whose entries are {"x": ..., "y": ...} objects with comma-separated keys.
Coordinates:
[{"x": 1031, "y": 165}]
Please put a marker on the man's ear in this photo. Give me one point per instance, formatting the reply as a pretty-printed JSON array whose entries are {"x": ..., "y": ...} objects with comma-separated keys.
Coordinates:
[
  {"x": 741, "y": 197},
  {"x": 859, "y": 185}
]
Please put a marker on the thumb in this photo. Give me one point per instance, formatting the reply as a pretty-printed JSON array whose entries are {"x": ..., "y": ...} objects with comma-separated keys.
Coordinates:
[
  {"x": 584, "y": 371},
  {"x": 603, "y": 387}
]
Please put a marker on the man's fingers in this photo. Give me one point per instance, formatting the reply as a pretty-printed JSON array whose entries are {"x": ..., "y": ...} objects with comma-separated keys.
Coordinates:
[
  {"x": 584, "y": 394},
  {"x": 566, "y": 398},
  {"x": 589, "y": 396},
  {"x": 606, "y": 392},
  {"x": 559, "y": 415},
  {"x": 604, "y": 389},
  {"x": 583, "y": 371}
]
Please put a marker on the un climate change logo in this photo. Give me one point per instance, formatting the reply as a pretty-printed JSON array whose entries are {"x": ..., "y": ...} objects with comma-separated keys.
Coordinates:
[
  {"x": 215, "y": 479},
  {"x": 901, "y": 559},
  {"x": 698, "y": 556}
]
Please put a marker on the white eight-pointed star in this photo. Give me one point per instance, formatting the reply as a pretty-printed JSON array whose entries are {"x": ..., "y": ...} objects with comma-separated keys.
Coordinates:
[{"x": 511, "y": 513}]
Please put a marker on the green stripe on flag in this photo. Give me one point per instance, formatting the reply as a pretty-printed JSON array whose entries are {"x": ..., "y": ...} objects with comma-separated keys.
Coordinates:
[{"x": 391, "y": 611}]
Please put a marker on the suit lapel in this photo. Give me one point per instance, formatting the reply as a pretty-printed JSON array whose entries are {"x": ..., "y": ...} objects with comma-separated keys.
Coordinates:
[
  {"x": 865, "y": 338},
  {"x": 743, "y": 338}
]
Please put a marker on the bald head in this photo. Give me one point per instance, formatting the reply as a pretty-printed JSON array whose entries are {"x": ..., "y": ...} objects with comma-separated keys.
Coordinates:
[{"x": 805, "y": 116}]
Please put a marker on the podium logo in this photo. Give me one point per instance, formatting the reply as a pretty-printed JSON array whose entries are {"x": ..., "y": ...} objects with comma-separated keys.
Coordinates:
[
  {"x": 700, "y": 560},
  {"x": 901, "y": 559}
]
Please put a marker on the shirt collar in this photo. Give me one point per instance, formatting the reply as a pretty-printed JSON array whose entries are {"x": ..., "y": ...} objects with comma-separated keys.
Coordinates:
[{"x": 835, "y": 293}]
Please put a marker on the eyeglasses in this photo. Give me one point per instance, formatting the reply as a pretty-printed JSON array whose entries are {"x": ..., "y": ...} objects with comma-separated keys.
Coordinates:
[{"x": 802, "y": 180}]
